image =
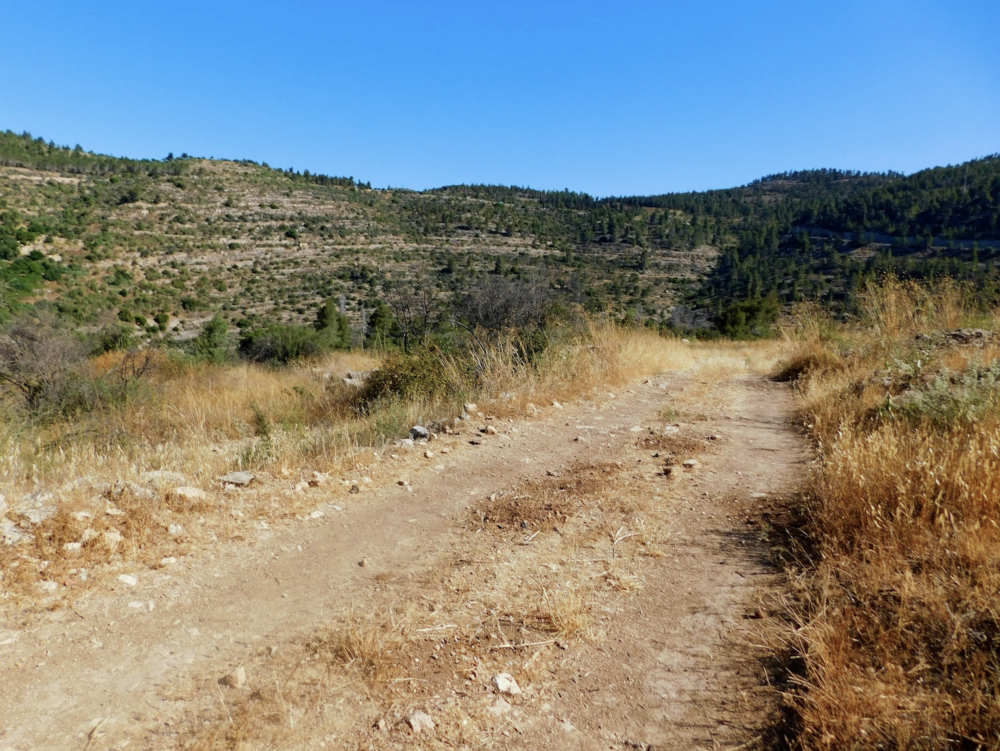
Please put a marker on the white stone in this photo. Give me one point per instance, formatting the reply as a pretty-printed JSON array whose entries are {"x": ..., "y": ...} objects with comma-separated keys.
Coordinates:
[
  {"x": 237, "y": 478},
  {"x": 48, "y": 586},
  {"x": 89, "y": 534},
  {"x": 187, "y": 494},
  {"x": 556, "y": 405},
  {"x": 470, "y": 407},
  {"x": 175, "y": 530},
  {"x": 128, "y": 580},
  {"x": 72, "y": 548},
  {"x": 490, "y": 430},
  {"x": 404, "y": 442},
  {"x": 112, "y": 537},
  {"x": 11, "y": 534},
  {"x": 112, "y": 510},
  {"x": 500, "y": 707},
  {"x": 82, "y": 515},
  {"x": 419, "y": 721},
  {"x": 690, "y": 463},
  {"x": 235, "y": 679},
  {"x": 504, "y": 683},
  {"x": 419, "y": 432},
  {"x": 168, "y": 561}
]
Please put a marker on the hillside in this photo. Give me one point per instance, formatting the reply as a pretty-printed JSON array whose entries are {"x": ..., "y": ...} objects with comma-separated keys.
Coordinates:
[
  {"x": 164, "y": 245},
  {"x": 96, "y": 238}
]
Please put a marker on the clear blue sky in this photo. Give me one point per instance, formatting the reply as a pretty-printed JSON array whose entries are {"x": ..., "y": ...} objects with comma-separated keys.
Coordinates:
[{"x": 605, "y": 97}]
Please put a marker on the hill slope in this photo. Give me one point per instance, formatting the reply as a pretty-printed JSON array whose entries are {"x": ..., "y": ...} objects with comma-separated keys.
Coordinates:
[{"x": 166, "y": 244}]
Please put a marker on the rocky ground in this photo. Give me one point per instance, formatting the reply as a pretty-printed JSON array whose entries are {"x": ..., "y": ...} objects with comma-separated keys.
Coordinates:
[{"x": 591, "y": 577}]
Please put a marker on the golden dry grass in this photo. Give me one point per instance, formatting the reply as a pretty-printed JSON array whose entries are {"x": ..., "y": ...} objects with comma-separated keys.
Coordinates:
[{"x": 897, "y": 616}]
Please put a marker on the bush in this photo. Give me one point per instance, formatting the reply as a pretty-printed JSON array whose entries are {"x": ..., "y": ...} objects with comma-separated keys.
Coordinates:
[
  {"x": 114, "y": 338},
  {"x": 37, "y": 361},
  {"x": 285, "y": 344},
  {"x": 212, "y": 344},
  {"x": 404, "y": 376}
]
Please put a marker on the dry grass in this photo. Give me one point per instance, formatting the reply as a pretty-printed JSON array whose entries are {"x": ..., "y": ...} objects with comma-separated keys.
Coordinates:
[{"x": 897, "y": 616}]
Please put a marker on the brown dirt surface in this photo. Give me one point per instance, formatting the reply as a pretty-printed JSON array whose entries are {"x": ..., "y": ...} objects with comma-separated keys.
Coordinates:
[{"x": 624, "y": 599}]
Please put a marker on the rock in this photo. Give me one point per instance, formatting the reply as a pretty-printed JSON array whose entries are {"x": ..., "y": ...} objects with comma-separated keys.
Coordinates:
[
  {"x": 239, "y": 479},
  {"x": 37, "y": 506},
  {"x": 72, "y": 548},
  {"x": 419, "y": 721},
  {"x": 168, "y": 561},
  {"x": 685, "y": 341},
  {"x": 690, "y": 463},
  {"x": 671, "y": 430},
  {"x": 490, "y": 430},
  {"x": 580, "y": 439},
  {"x": 316, "y": 514},
  {"x": 404, "y": 442},
  {"x": 381, "y": 725},
  {"x": 300, "y": 486},
  {"x": 500, "y": 707},
  {"x": 504, "y": 683},
  {"x": 128, "y": 580},
  {"x": 112, "y": 510},
  {"x": 470, "y": 407},
  {"x": 556, "y": 405},
  {"x": 82, "y": 515},
  {"x": 10, "y": 533},
  {"x": 715, "y": 437},
  {"x": 188, "y": 495},
  {"x": 235, "y": 679},
  {"x": 112, "y": 538},
  {"x": 89, "y": 534},
  {"x": 364, "y": 562},
  {"x": 428, "y": 455},
  {"x": 48, "y": 586},
  {"x": 419, "y": 432},
  {"x": 318, "y": 479},
  {"x": 635, "y": 429},
  {"x": 161, "y": 478},
  {"x": 175, "y": 530},
  {"x": 354, "y": 489}
]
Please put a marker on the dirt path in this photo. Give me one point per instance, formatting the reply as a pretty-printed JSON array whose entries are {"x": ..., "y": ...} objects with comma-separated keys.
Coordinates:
[{"x": 670, "y": 673}]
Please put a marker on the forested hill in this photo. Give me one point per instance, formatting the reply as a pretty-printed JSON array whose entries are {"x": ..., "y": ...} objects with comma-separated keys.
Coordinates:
[{"x": 166, "y": 244}]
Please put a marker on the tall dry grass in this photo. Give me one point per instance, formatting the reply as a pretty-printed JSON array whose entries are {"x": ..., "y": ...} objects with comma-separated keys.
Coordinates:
[{"x": 897, "y": 615}]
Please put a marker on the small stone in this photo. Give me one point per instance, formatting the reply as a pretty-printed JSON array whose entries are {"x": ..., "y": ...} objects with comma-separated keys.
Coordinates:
[
  {"x": 715, "y": 437},
  {"x": 72, "y": 548},
  {"x": 364, "y": 562},
  {"x": 235, "y": 679},
  {"x": 531, "y": 408},
  {"x": 318, "y": 478},
  {"x": 168, "y": 561},
  {"x": 48, "y": 586},
  {"x": 113, "y": 511},
  {"x": 404, "y": 442},
  {"x": 690, "y": 463},
  {"x": 580, "y": 439},
  {"x": 490, "y": 430},
  {"x": 316, "y": 514},
  {"x": 556, "y": 405},
  {"x": 445, "y": 450},
  {"x": 301, "y": 486},
  {"x": 419, "y": 721},
  {"x": 419, "y": 432},
  {"x": 128, "y": 580},
  {"x": 671, "y": 430},
  {"x": 188, "y": 495},
  {"x": 354, "y": 489},
  {"x": 89, "y": 534},
  {"x": 500, "y": 707},
  {"x": 112, "y": 537},
  {"x": 428, "y": 454},
  {"x": 504, "y": 683},
  {"x": 175, "y": 530},
  {"x": 82, "y": 515},
  {"x": 561, "y": 644},
  {"x": 471, "y": 407},
  {"x": 382, "y": 725},
  {"x": 239, "y": 479}
]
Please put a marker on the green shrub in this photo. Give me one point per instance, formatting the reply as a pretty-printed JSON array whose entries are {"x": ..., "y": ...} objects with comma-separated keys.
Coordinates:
[
  {"x": 403, "y": 376},
  {"x": 285, "y": 344},
  {"x": 212, "y": 344}
]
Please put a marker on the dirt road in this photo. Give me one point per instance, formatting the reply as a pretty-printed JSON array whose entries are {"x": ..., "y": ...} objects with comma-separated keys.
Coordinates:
[{"x": 667, "y": 664}]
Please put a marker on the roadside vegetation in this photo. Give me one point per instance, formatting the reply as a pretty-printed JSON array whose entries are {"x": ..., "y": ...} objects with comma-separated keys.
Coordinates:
[{"x": 895, "y": 609}]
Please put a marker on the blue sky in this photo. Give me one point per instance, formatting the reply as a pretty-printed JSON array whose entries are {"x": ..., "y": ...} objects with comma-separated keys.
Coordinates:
[{"x": 608, "y": 98}]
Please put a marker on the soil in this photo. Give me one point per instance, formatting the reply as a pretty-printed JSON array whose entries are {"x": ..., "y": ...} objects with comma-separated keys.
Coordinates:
[{"x": 676, "y": 665}]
